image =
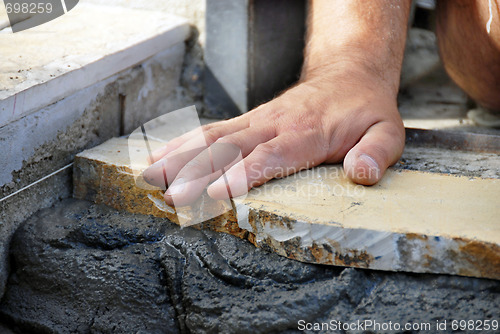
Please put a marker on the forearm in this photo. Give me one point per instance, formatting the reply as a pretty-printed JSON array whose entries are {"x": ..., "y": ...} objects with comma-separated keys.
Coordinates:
[{"x": 370, "y": 34}]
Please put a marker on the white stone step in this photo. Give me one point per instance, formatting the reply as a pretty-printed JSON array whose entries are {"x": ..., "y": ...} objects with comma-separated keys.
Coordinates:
[{"x": 46, "y": 63}]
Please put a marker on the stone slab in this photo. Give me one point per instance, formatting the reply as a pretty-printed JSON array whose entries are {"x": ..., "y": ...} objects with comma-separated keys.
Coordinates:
[
  {"x": 85, "y": 46},
  {"x": 411, "y": 221}
]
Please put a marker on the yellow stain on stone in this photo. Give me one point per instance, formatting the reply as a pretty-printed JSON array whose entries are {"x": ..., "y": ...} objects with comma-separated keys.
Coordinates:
[{"x": 404, "y": 202}]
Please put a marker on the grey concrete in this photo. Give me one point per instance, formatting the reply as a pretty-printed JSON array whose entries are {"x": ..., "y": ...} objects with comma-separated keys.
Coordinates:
[
  {"x": 421, "y": 56},
  {"x": 436, "y": 160},
  {"x": 47, "y": 140},
  {"x": 194, "y": 12},
  {"x": 253, "y": 51},
  {"x": 83, "y": 268},
  {"x": 57, "y": 59}
]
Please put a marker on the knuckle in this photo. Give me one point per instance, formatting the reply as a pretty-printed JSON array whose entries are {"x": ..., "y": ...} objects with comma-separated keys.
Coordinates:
[
  {"x": 234, "y": 139},
  {"x": 208, "y": 127},
  {"x": 271, "y": 113},
  {"x": 276, "y": 116},
  {"x": 212, "y": 135},
  {"x": 215, "y": 125},
  {"x": 269, "y": 150}
]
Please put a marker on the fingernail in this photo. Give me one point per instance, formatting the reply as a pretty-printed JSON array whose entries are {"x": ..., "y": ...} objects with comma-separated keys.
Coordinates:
[
  {"x": 157, "y": 164},
  {"x": 177, "y": 187},
  {"x": 152, "y": 168},
  {"x": 146, "y": 174},
  {"x": 228, "y": 187},
  {"x": 219, "y": 182},
  {"x": 372, "y": 164}
]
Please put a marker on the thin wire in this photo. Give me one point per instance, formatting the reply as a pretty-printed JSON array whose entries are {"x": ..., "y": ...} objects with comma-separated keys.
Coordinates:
[
  {"x": 151, "y": 155},
  {"x": 36, "y": 182},
  {"x": 147, "y": 143}
]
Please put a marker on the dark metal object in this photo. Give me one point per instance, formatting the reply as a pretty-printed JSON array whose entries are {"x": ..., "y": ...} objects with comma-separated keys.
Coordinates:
[
  {"x": 165, "y": 184},
  {"x": 121, "y": 104},
  {"x": 253, "y": 51},
  {"x": 147, "y": 143},
  {"x": 453, "y": 140}
]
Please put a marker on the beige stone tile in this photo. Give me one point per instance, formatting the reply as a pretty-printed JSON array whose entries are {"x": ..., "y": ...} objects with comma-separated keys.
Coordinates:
[{"x": 410, "y": 221}]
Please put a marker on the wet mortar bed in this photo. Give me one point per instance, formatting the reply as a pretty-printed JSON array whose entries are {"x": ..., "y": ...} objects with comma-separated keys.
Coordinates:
[
  {"x": 456, "y": 162},
  {"x": 84, "y": 268}
]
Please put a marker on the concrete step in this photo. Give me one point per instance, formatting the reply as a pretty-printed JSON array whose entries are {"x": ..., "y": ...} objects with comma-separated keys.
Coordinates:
[
  {"x": 47, "y": 63},
  {"x": 79, "y": 68},
  {"x": 72, "y": 83},
  {"x": 411, "y": 221},
  {"x": 51, "y": 73}
]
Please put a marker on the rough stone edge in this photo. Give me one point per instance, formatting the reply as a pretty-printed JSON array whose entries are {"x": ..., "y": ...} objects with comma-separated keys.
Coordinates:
[{"x": 411, "y": 252}]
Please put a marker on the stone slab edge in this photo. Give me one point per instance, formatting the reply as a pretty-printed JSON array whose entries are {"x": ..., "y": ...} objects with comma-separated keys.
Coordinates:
[{"x": 114, "y": 186}]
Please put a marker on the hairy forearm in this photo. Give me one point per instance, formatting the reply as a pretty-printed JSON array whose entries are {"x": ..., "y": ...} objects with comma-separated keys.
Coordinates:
[{"x": 370, "y": 34}]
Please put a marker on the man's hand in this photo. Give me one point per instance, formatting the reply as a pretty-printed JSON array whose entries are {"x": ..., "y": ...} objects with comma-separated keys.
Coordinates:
[{"x": 343, "y": 108}]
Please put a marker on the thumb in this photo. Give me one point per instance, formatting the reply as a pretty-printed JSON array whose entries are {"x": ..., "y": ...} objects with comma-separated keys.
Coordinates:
[{"x": 380, "y": 147}]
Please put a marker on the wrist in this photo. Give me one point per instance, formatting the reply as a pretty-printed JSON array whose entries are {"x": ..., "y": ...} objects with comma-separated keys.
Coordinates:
[{"x": 355, "y": 69}]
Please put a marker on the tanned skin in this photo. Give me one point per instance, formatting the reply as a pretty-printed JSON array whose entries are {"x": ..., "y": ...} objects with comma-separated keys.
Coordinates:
[
  {"x": 470, "y": 54},
  {"x": 342, "y": 109}
]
